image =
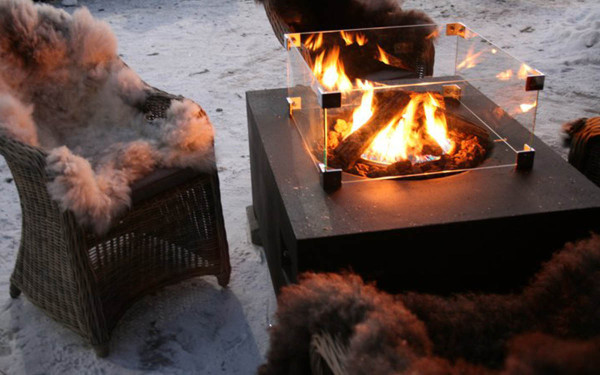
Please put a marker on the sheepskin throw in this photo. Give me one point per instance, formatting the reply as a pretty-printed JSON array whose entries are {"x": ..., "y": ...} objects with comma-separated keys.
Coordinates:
[
  {"x": 64, "y": 89},
  {"x": 551, "y": 327}
]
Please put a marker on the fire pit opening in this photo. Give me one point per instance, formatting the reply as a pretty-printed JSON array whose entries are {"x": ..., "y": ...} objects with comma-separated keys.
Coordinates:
[
  {"x": 409, "y": 101},
  {"x": 397, "y": 133}
]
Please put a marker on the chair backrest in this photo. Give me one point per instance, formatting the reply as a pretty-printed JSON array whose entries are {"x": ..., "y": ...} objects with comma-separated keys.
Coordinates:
[{"x": 421, "y": 50}]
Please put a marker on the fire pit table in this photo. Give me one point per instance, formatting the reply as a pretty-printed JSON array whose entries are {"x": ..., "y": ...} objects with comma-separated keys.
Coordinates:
[{"x": 412, "y": 222}]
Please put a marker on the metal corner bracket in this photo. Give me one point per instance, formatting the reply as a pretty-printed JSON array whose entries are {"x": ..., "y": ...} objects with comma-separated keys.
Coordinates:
[
  {"x": 525, "y": 158},
  {"x": 456, "y": 28},
  {"x": 294, "y": 103},
  {"x": 535, "y": 82},
  {"x": 452, "y": 91},
  {"x": 330, "y": 178},
  {"x": 330, "y": 99},
  {"x": 292, "y": 40}
]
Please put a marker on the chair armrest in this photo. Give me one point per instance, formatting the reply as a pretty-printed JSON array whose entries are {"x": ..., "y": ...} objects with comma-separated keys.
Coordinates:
[{"x": 161, "y": 180}]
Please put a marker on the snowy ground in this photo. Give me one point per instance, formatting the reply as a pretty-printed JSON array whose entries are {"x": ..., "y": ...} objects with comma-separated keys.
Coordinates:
[{"x": 213, "y": 51}]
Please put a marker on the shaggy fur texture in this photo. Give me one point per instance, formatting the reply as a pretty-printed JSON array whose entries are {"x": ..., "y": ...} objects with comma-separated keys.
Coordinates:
[
  {"x": 553, "y": 326},
  {"x": 318, "y": 15},
  {"x": 64, "y": 89}
]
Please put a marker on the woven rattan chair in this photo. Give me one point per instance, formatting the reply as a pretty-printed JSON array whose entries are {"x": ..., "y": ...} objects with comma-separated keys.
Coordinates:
[
  {"x": 173, "y": 231},
  {"x": 584, "y": 153}
]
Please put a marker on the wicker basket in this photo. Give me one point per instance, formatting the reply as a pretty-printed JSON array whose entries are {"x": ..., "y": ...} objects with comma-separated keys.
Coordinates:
[
  {"x": 279, "y": 26},
  {"x": 173, "y": 231}
]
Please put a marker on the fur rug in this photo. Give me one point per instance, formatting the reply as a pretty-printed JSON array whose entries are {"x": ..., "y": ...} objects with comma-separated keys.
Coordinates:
[
  {"x": 553, "y": 326},
  {"x": 64, "y": 89}
]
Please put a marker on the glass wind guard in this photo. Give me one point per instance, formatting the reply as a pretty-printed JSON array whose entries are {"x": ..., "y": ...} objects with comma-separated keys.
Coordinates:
[
  {"x": 410, "y": 101},
  {"x": 304, "y": 106},
  {"x": 500, "y": 77}
]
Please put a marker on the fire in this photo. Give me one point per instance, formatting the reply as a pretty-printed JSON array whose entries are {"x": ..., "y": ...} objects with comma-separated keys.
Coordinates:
[
  {"x": 417, "y": 133},
  {"x": 505, "y": 76},
  {"x": 525, "y": 71},
  {"x": 383, "y": 56},
  {"x": 350, "y": 38},
  {"x": 314, "y": 42},
  {"x": 364, "y": 112},
  {"x": 528, "y": 107},
  {"x": 329, "y": 70},
  {"x": 471, "y": 60},
  {"x": 434, "y": 34},
  {"x": 421, "y": 121}
]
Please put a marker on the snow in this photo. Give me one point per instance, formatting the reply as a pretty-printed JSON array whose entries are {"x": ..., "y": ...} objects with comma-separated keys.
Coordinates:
[{"x": 212, "y": 51}]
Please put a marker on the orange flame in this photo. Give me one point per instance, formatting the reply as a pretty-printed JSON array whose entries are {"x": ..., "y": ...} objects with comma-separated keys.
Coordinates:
[
  {"x": 383, "y": 56},
  {"x": 330, "y": 71},
  {"x": 314, "y": 41},
  {"x": 470, "y": 61},
  {"x": 363, "y": 113},
  {"x": 525, "y": 71},
  {"x": 422, "y": 122},
  {"x": 505, "y": 76},
  {"x": 528, "y": 107},
  {"x": 350, "y": 38},
  {"x": 402, "y": 138},
  {"x": 434, "y": 34}
]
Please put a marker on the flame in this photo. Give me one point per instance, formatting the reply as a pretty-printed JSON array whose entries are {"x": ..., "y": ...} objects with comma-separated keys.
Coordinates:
[
  {"x": 421, "y": 123},
  {"x": 528, "y": 107},
  {"x": 350, "y": 38},
  {"x": 436, "y": 123},
  {"x": 383, "y": 56},
  {"x": 330, "y": 71},
  {"x": 363, "y": 113},
  {"x": 402, "y": 138},
  {"x": 434, "y": 34},
  {"x": 525, "y": 71},
  {"x": 505, "y": 76},
  {"x": 470, "y": 61},
  {"x": 314, "y": 41}
]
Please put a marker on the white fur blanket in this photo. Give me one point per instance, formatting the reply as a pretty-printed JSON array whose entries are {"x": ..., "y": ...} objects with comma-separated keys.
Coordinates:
[{"x": 64, "y": 89}]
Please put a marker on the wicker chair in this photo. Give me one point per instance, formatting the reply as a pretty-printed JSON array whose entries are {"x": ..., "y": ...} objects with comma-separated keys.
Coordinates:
[
  {"x": 424, "y": 59},
  {"x": 584, "y": 153},
  {"x": 173, "y": 231}
]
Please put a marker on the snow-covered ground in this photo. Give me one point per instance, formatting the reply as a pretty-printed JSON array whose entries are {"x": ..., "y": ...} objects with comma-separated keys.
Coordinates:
[{"x": 213, "y": 51}]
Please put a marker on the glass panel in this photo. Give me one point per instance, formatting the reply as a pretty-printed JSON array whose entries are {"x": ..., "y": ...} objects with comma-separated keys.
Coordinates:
[
  {"x": 412, "y": 101},
  {"x": 499, "y": 76},
  {"x": 306, "y": 111}
]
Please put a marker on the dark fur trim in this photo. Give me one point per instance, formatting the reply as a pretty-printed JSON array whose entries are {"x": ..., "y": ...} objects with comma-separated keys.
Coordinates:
[
  {"x": 349, "y": 310},
  {"x": 553, "y": 326}
]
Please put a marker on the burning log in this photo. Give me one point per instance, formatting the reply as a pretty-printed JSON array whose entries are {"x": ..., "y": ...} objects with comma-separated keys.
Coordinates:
[{"x": 388, "y": 104}]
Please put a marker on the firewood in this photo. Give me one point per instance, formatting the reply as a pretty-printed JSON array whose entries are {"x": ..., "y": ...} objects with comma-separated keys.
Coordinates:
[{"x": 389, "y": 104}]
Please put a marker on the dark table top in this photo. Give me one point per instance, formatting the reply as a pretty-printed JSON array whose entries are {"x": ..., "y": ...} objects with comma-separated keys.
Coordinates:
[{"x": 552, "y": 185}]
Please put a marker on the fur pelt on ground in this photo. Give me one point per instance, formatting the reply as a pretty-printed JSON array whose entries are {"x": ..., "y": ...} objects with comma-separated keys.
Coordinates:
[
  {"x": 553, "y": 326},
  {"x": 64, "y": 89}
]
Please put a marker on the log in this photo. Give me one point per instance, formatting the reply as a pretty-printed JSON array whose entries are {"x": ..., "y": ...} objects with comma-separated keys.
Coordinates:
[{"x": 389, "y": 104}]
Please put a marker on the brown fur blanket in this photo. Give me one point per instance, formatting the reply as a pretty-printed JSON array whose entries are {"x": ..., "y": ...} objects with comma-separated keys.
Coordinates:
[{"x": 553, "y": 326}]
